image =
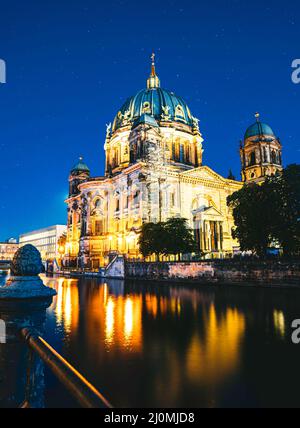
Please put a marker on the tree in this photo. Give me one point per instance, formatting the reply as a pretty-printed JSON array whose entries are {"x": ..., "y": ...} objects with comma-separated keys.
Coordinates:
[
  {"x": 252, "y": 208},
  {"x": 151, "y": 239},
  {"x": 170, "y": 237},
  {"x": 269, "y": 213},
  {"x": 285, "y": 190},
  {"x": 179, "y": 237}
]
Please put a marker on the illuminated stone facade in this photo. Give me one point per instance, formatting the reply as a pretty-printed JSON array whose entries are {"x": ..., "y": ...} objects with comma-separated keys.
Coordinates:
[
  {"x": 153, "y": 171},
  {"x": 8, "y": 250}
]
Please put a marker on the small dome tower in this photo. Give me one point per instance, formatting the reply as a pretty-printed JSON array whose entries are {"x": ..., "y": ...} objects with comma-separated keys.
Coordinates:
[
  {"x": 260, "y": 152},
  {"x": 79, "y": 173}
]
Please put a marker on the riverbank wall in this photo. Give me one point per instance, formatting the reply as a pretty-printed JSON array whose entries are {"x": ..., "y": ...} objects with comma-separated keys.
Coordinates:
[{"x": 218, "y": 272}]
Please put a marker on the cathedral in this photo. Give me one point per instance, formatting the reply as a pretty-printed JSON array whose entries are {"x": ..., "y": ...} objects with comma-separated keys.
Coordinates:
[{"x": 153, "y": 171}]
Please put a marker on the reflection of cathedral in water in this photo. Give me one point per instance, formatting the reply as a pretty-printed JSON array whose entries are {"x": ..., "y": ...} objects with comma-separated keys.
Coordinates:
[
  {"x": 153, "y": 171},
  {"x": 165, "y": 340},
  {"x": 114, "y": 324}
]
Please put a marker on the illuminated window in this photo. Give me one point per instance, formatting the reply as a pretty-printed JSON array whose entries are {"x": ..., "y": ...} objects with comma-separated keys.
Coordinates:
[
  {"x": 98, "y": 227},
  {"x": 177, "y": 151},
  {"x": 117, "y": 205},
  {"x": 146, "y": 107},
  {"x": 172, "y": 200},
  {"x": 179, "y": 111}
]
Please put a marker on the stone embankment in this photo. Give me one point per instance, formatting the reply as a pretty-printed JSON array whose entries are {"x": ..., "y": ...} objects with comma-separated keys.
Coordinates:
[{"x": 219, "y": 271}]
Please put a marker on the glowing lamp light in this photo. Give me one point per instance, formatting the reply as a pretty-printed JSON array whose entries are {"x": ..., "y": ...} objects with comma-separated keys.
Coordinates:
[{"x": 61, "y": 249}]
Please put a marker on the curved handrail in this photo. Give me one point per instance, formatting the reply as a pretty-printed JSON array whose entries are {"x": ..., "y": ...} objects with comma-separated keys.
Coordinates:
[{"x": 82, "y": 390}]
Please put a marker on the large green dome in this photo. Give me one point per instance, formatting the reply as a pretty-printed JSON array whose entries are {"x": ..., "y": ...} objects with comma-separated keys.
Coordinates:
[{"x": 156, "y": 102}]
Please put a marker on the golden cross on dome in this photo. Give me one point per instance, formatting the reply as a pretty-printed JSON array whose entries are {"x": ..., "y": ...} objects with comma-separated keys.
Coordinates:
[
  {"x": 153, "y": 81},
  {"x": 153, "y": 64},
  {"x": 257, "y": 115}
]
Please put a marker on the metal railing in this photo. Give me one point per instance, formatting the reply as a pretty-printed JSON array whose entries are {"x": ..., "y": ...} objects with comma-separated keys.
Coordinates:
[{"x": 83, "y": 391}]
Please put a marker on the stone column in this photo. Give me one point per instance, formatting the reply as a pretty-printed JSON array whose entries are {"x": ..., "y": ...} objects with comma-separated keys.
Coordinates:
[
  {"x": 218, "y": 235},
  {"x": 204, "y": 235},
  {"x": 208, "y": 236}
]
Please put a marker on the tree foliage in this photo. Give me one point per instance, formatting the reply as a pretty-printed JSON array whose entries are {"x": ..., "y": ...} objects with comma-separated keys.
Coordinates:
[
  {"x": 151, "y": 239},
  {"x": 252, "y": 218},
  {"x": 269, "y": 213},
  {"x": 285, "y": 189},
  {"x": 164, "y": 238}
]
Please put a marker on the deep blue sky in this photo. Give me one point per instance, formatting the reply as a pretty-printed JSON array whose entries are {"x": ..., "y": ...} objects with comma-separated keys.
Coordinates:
[{"x": 71, "y": 64}]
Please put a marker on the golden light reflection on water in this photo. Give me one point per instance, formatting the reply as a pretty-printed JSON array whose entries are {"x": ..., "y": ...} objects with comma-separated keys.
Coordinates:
[
  {"x": 279, "y": 322},
  {"x": 216, "y": 354},
  {"x": 212, "y": 349},
  {"x": 176, "y": 339},
  {"x": 66, "y": 302},
  {"x": 128, "y": 319},
  {"x": 109, "y": 321}
]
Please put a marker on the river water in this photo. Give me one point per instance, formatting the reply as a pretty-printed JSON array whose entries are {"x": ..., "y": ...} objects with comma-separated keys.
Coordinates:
[{"x": 150, "y": 345}]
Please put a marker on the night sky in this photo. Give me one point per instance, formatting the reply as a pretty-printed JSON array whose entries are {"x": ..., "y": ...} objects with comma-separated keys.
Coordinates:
[{"x": 71, "y": 65}]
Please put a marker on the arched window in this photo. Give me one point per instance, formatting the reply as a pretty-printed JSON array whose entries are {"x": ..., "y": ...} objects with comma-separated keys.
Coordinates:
[
  {"x": 182, "y": 159},
  {"x": 188, "y": 152},
  {"x": 179, "y": 111},
  {"x": 126, "y": 201},
  {"x": 117, "y": 204},
  {"x": 252, "y": 159},
  {"x": 177, "y": 151},
  {"x": 146, "y": 107},
  {"x": 136, "y": 197},
  {"x": 273, "y": 156},
  {"x": 265, "y": 154},
  {"x": 172, "y": 200},
  {"x": 97, "y": 203},
  {"x": 278, "y": 160}
]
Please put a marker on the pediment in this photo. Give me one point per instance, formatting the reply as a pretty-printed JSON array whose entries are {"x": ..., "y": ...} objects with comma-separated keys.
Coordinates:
[
  {"x": 207, "y": 212},
  {"x": 204, "y": 173}
]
